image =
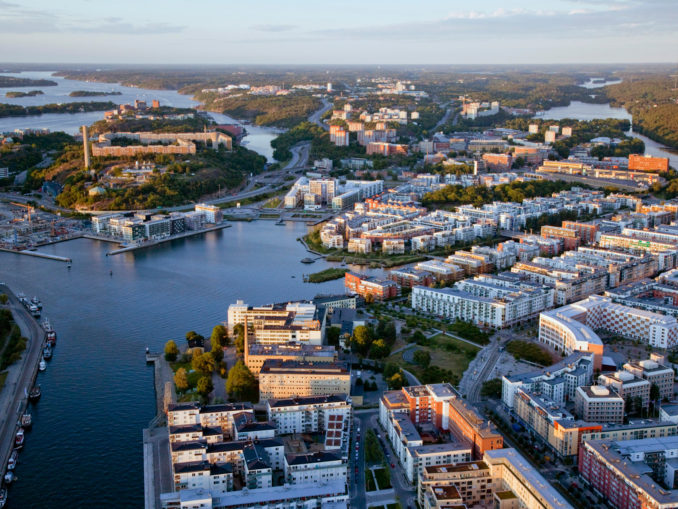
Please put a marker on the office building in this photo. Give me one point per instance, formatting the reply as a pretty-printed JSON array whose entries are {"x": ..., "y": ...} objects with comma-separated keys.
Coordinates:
[{"x": 287, "y": 379}]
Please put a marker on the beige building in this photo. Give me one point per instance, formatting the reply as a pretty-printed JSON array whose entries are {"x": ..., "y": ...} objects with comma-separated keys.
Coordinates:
[
  {"x": 256, "y": 354},
  {"x": 655, "y": 373},
  {"x": 286, "y": 379},
  {"x": 473, "y": 480},
  {"x": 628, "y": 386},
  {"x": 597, "y": 403}
]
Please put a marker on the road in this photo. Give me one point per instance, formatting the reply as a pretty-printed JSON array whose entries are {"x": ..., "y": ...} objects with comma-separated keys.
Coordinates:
[
  {"x": 21, "y": 375},
  {"x": 492, "y": 354},
  {"x": 315, "y": 116},
  {"x": 443, "y": 120}
]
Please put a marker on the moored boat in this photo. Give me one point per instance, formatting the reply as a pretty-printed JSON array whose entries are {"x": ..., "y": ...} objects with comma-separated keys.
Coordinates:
[
  {"x": 35, "y": 393},
  {"x": 19, "y": 438},
  {"x": 9, "y": 477},
  {"x": 3, "y": 497},
  {"x": 35, "y": 301},
  {"x": 50, "y": 333},
  {"x": 33, "y": 309},
  {"x": 47, "y": 352},
  {"x": 11, "y": 463},
  {"x": 43, "y": 365},
  {"x": 26, "y": 420}
]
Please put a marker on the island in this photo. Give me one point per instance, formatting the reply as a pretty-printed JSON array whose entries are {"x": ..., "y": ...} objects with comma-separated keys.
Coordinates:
[
  {"x": 11, "y": 81},
  {"x": 16, "y": 110},
  {"x": 32, "y": 93},
  {"x": 91, "y": 93}
]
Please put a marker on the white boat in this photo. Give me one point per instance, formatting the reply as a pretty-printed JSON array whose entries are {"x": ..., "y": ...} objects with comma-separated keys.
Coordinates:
[
  {"x": 34, "y": 310},
  {"x": 43, "y": 365},
  {"x": 11, "y": 464},
  {"x": 3, "y": 497},
  {"x": 36, "y": 302},
  {"x": 9, "y": 477}
]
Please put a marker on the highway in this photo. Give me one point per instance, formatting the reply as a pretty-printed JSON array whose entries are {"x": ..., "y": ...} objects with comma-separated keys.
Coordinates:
[{"x": 13, "y": 396}]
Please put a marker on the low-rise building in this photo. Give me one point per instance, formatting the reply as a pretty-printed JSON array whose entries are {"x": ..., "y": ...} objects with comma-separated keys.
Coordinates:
[{"x": 370, "y": 287}]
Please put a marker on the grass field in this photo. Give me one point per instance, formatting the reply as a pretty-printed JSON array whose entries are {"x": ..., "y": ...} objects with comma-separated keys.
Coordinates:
[
  {"x": 383, "y": 478},
  {"x": 369, "y": 481}
]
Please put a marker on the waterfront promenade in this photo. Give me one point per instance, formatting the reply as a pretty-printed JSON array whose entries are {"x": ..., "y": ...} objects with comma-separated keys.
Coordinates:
[{"x": 20, "y": 378}]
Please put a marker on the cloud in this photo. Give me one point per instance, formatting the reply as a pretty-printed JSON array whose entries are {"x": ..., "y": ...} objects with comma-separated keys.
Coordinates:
[{"x": 273, "y": 28}]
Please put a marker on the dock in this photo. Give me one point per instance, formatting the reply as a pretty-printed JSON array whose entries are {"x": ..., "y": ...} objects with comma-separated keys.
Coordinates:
[
  {"x": 21, "y": 378},
  {"x": 152, "y": 243},
  {"x": 38, "y": 254}
]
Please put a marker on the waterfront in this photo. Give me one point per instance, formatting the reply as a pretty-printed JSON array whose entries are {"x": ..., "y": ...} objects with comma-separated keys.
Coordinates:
[
  {"x": 97, "y": 391},
  {"x": 258, "y": 139},
  {"x": 588, "y": 111}
]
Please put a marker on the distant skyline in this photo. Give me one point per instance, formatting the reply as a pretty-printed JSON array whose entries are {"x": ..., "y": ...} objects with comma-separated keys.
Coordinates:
[{"x": 351, "y": 32}]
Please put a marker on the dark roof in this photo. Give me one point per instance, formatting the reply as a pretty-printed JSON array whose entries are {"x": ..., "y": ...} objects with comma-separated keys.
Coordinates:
[
  {"x": 237, "y": 445},
  {"x": 221, "y": 468},
  {"x": 188, "y": 446},
  {"x": 315, "y": 457},
  {"x": 207, "y": 431},
  {"x": 226, "y": 407},
  {"x": 186, "y": 428},
  {"x": 329, "y": 368},
  {"x": 307, "y": 400},
  {"x": 250, "y": 427},
  {"x": 193, "y": 466},
  {"x": 190, "y": 405}
]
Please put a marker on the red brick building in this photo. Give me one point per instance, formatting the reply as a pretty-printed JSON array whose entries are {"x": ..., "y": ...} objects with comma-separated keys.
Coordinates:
[
  {"x": 498, "y": 162},
  {"x": 570, "y": 238},
  {"x": 585, "y": 231},
  {"x": 377, "y": 288},
  {"x": 647, "y": 163}
]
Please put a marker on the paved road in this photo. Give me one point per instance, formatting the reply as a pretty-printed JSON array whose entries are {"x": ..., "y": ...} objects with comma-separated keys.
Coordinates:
[
  {"x": 443, "y": 120},
  {"x": 315, "y": 116},
  {"x": 492, "y": 354},
  {"x": 20, "y": 378}
]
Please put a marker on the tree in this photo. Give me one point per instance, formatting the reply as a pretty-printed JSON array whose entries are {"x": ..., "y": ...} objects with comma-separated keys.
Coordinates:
[
  {"x": 3, "y": 299},
  {"x": 205, "y": 386},
  {"x": 241, "y": 384},
  {"x": 655, "y": 395},
  {"x": 219, "y": 336},
  {"x": 379, "y": 349},
  {"x": 204, "y": 363},
  {"x": 390, "y": 369},
  {"x": 361, "y": 339},
  {"x": 239, "y": 331},
  {"x": 491, "y": 388},
  {"x": 422, "y": 357},
  {"x": 181, "y": 380},
  {"x": 171, "y": 351},
  {"x": 333, "y": 334},
  {"x": 418, "y": 337},
  {"x": 397, "y": 381}
]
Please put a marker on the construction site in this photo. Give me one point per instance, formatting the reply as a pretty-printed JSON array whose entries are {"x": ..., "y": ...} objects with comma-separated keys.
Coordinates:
[{"x": 24, "y": 227}]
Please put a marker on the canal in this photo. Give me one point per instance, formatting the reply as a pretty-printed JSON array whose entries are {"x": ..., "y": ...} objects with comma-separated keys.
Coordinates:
[{"x": 85, "y": 448}]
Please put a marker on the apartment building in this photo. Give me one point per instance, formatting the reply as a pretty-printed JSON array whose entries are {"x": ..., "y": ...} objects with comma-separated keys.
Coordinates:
[
  {"x": 285, "y": 379},
  {"x": 315, "y": 468},
  {"x": 503, "y": 479},
  {"x": 313, "y": 414},
  {"x": 440, "y": 406},
  {"x": 559, "y": 382},
  {"x": 655, "y": 373},
  {"x": 597, "y": 403},
  {"x": 219, "y": 416},
  {"x": 256, "y": 354},
  {"x": 570, "y": 328},
  {"x": 409, "y": 277},
  {"x": 628, "y": 386},
  {"x": 632, "y": 473},
  {"x": 489, "y": 301},
  {"x": 293, "y": 322},
  {"x": 370, "y": 287}
]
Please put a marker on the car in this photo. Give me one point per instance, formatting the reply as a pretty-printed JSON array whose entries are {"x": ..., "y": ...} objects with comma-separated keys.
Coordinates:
[
  {"x": 356, "y": 470},
  {"x": 392, "y": 465}
]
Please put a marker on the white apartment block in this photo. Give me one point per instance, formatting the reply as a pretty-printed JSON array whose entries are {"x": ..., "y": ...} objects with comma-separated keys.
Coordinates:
[
  {"x": 317, "y": 467},
  {"x": 487, "y": 301}
]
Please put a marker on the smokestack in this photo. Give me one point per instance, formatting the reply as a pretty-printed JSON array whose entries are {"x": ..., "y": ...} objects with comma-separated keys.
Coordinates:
[{"x": 85, "y": 141}]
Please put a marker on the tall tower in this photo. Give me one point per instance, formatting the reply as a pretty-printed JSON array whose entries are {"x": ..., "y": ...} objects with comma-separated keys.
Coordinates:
[{"x": 85, "y": 141}]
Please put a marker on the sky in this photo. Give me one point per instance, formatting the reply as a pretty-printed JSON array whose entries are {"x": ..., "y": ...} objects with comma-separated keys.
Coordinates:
[{"x": 259, "y": 32}]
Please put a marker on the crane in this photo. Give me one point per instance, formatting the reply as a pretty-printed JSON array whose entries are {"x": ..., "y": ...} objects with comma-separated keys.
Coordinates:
[{"x": 30, "y": 209}]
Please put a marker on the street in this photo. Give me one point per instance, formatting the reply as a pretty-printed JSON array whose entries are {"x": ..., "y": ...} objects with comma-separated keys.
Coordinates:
[{"x": 19, "y": 381}]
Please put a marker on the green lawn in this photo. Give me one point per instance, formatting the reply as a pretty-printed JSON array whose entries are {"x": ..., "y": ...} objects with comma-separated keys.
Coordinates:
[
  {"x": 383, "y": 478},
  {"x": 193, "y": 376},
  {"x": 369, "y": 481},
  {"x": 273, "y": 203}
]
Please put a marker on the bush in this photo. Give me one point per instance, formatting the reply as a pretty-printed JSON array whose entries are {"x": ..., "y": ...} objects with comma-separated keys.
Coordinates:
[{"x": 171, "y": 351}]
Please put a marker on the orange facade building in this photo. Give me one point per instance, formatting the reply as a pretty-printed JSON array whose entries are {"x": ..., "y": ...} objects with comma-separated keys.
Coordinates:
[{"x": 647, "y": 163}]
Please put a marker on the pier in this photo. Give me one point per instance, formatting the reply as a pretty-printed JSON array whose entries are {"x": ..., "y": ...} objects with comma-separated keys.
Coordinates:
[
  {"x": 152, "y": 243},
  {"x": 38, "y": 254}
]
